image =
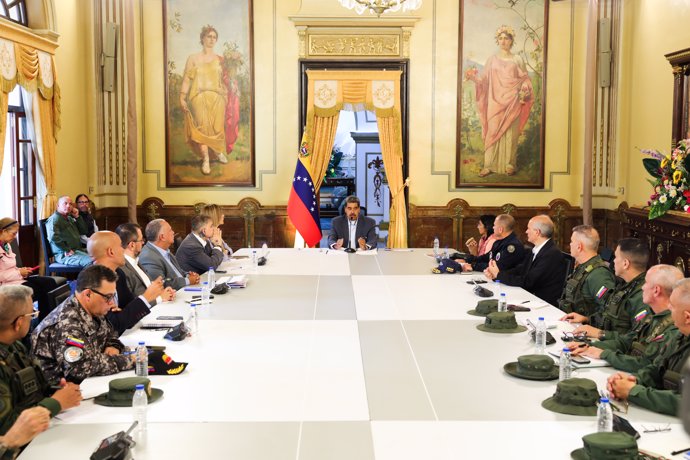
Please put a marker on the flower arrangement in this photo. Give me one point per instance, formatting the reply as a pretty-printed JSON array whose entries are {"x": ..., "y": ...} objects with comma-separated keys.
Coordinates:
[{"x": 670, "y": 173}]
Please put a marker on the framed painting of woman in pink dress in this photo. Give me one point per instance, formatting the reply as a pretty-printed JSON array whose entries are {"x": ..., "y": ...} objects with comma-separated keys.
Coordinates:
[
  {"x": 501, "y": 88},
  {"x": 209, "y": 93}
]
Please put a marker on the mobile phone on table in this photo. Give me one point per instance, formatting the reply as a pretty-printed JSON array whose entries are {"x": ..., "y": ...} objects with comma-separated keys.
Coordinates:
[
  {"x": 221, "y": 271},
  {"x": 580, "y": 360},
  {"x": 171, "y": 318}
]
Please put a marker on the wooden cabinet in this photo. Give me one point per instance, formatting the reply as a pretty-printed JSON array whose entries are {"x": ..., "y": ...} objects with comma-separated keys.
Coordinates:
[{"x": 668, "y": 236}]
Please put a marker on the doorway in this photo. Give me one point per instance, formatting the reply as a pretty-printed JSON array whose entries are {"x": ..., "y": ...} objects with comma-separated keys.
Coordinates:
[{"x": 356, "y": 165}]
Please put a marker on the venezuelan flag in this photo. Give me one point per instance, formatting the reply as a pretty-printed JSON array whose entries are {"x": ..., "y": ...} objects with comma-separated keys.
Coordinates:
[{"x": 303, "y": 210}]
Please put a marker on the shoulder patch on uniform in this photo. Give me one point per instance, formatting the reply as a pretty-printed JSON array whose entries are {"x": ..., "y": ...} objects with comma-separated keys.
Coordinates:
[
  {"x": 641, "y": 314},
  {"x": 511, "y": 248},
  {"x": 73, "y": 354},
  {"x": 602, "y": 290},
  {"x": 72, "y": 341}
]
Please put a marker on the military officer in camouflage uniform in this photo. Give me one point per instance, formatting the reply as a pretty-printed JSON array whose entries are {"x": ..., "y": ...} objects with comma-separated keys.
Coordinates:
[
  {"x": 632, "y": 351},
  {"x": 624, "y": 306},
  {"x": 22, "y": 384},
  {"x": 658, "y": 386},
  {"x": 587, "y": 287},
  {"x": 508, "y": 251},
  {"x": 75, "y": 341}
]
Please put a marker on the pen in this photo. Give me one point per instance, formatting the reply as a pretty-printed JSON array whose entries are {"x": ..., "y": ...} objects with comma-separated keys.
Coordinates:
[
  {"x": 195, "y": 289},
  {"x": 676, "y": 452},
  {"x": 526, "y": 301}
]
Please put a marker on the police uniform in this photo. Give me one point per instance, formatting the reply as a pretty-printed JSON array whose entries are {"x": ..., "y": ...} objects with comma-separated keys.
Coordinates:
[
  {"x": 660, "y": 384},
  {"x": 71, "y": 343},
  {"x": 587, "y": 287},
  {"x": 22, "y": 385},
  {"x": 508, "y": 252},
  {"x": 623, "y": 308},
  {"x": 632, "y": 351}
]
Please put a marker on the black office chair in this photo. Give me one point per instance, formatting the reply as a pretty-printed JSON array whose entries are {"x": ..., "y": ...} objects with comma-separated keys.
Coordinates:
[
  {"x": 49, "y": 257},
  {"x": 59, "y": 280},
  {"x": 607, "y": 255},
  {"x": 55, "y": 298},
  {"x": 570, "y": 266}
]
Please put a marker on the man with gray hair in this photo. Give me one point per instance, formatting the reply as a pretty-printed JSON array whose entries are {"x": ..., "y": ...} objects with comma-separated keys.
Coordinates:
[
  {"x": 588, "y": 286},
  {"x": 632, "y": 351},
  {"x": 157, "y": 260},
  {"x": 63, "y": 230},
  {"x": 543, "y": 270},
  {"x": 22, "y": 382},
  {"x": 658, "y": 386},
  {"x": 508, "y": 251},
  {"x": 200, "y": 250}
]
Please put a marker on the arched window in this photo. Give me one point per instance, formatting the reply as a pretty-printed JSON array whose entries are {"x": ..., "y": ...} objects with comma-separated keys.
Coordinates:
[{"x": 14, "y": 10}]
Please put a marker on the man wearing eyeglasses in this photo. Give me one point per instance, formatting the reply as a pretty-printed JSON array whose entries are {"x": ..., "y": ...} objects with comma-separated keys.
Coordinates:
[
  {"x": 22, "y": 382},
  {"x": 75, "y": 341}
]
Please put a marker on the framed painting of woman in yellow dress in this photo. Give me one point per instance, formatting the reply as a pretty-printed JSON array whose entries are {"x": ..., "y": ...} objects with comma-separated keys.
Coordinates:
[
  {"x": 500, "y": 133},
  {"x": 209, "y": 93}
]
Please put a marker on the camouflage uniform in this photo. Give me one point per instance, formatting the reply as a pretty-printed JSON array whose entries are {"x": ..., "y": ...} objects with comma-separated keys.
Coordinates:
[
  {"x": 71, "y": 343},
  {"x": 22, "y": 385},
  {"x": 587, "y": 287},
  {"x": 638, "y": 348},
  {"x": 623, "y": 307},
  {"x": 659, "y": 385}
]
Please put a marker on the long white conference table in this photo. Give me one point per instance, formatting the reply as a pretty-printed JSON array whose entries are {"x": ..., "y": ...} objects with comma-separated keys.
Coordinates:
[{"x": 327, "y": 355}]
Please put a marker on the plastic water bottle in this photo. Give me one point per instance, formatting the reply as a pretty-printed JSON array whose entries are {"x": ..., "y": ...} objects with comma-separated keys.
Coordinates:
[
  {"x": 540, "y": 336},
  {"x": 565, "y": 364},
  {"x": 255, "y": 261},
  {"x": 446, "y": 254},
  {"x": 193, "y": 321},
  {"x": 264, "y": 250},
  {"x": 211, "y": 278},
  {"x": 205, "y": 294},
  {"x": 142, "y": 360},
  {"x": 604, "y": 416},
  {"x": 139, "y": 403},
  {"x": 502, "y": 302},
  {"x": 436, "y": 246}
]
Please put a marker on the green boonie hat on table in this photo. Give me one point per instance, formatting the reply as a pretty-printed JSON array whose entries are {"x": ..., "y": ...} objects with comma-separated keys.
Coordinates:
[
  {"x": 484, "y": 307},
  {"x": 575, "y": 397},
  {"x": 533, "y": 367},
  {"x": 121, "y": 391},
  {"x": 614, "y": 445},
  {"x": 502, "y": 322}
]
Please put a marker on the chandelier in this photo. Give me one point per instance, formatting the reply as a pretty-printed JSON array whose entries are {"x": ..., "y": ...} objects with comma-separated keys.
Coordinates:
[{"x": 381, "y": 6}]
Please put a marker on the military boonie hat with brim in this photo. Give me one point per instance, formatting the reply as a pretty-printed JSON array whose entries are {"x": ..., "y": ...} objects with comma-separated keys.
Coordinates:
[
  {"x": 533, "y": 367},
  {"x": 121, "y": 391},
  {"x": 484, "y": 307},
  {"x": 162, "y": 364},
  {"x": 614, "y": 445},
  {"x": 502, "y": 322},
  {"x": 574, "y": 396}
]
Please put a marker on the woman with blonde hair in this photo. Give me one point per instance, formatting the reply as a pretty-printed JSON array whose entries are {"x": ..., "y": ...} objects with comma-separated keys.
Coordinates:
[{"x": 216, "y": 214}]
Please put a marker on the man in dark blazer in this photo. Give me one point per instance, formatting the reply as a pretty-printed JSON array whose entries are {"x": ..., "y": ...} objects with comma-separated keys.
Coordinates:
[
  {"x": 543, "y": 270},
  {"x": 352, "y": 230},
  {"x": 156, "y": 259},
  {"x": 137, "y": 280},
  {"x": 106, "y": 250},
  {"x": 196, "y": 252}
]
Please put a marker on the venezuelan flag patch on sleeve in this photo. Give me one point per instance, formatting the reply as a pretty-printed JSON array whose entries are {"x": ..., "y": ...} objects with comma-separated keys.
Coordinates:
[{"x": 74, "y": 342}]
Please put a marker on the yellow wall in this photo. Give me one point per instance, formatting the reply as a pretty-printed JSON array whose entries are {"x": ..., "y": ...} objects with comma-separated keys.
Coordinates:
[
  {"x": 651, "y": 30},
  {"x": 644, "y": 102}
]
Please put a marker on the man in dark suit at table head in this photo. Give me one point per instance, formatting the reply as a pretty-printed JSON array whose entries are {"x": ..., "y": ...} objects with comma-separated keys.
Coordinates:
[
  {"x": 198, "y": 251},
  {"x": 542, "y": 271},
  {"x": 157, "y": 260},
  {"x": 106, "y": 249},
  {"x": 352, "y": 230},
  {"x": 137, "y": 280}
]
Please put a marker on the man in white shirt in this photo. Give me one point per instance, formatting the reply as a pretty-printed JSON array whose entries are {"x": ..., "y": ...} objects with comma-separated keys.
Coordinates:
[
  {"x": 137, "y": 280},
  {"x": 200, "y": 250}
]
